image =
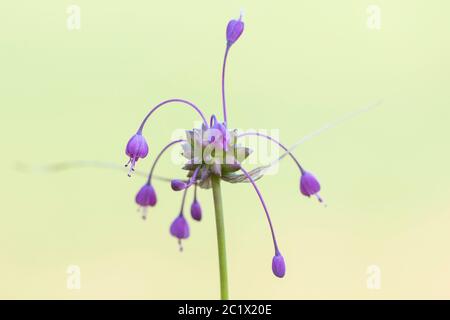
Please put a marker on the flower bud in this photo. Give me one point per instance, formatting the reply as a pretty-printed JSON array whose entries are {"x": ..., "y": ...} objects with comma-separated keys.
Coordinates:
[
  {"x": 178, "y": 185},
  {"x": 308, "y": 184},
  {"x": 146, "y": 196},
  {"x": 278, "y": 265},
  {"x": 196, "y": 210},
  {"x": 180, "y": 228},
  {"x": 136, "y": 148},
  {"x": 234, "y": 30}
]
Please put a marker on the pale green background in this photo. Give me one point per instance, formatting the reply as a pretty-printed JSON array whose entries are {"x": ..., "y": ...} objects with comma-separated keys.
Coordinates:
[{"x": 79, "y": 96}]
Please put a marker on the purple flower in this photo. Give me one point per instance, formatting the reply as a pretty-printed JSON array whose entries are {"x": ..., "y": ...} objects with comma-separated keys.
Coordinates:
[
  {"x": 309, "y": 185},
  {"x": 146, "y": 197},
  {"x": 178, "y": 185},
  {"x": 218, "y": 136},
  {"x": 136, "y": 148},
  {"x": 196, "y": 210},
  {"x": 278, "y": 265},
  {"x": 234, "y": 30},
  {"x": 180, "y": 229}
]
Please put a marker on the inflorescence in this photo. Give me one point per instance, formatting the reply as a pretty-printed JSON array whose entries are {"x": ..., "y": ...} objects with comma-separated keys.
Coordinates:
[{"x": 212, "y": 149}]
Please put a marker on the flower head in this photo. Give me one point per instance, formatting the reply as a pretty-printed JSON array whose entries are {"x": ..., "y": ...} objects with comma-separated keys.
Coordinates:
[
  {"x": 136, "y": 148},
  {"x": 213, "y": 153}
]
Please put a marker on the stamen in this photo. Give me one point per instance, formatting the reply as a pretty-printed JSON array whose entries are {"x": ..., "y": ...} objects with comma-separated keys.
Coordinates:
[
  {"x": 319, "y": 198},
  {"x": 133, "y": 163},
  {"x": 170, "y": 101},
  {"x": 144, "y": 213}
]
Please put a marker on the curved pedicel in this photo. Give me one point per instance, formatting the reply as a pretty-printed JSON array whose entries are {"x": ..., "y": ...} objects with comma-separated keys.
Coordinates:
[
  {"x": 159, "y": 156},
  {"x": 276, "y": 142},
  {"x": 141, "y": 127}
]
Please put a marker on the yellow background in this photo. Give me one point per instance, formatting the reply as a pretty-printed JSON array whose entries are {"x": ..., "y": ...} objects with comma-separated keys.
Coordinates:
[{"x": 79, "y": 95}]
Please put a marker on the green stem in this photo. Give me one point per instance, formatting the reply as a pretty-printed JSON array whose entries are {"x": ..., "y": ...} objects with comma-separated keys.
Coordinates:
[{"x": 220, "y": 226}]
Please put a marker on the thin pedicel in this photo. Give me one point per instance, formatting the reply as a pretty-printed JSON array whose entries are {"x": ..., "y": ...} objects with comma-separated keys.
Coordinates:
[{"x": 213, "y": 155}]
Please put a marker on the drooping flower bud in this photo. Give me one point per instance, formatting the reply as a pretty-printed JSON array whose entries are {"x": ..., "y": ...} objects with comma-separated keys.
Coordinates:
[
  {"x": 234, "y": 30},
  {"x": 180, "y": 229},
  {"x": 278, "y": 265},
  {"x": 178, "y": 185},
  {"x": 196, "y": 210},
  {"x": 146, "y": 197},
  {"x": 136, "y": 148},
  {"x": 309, "y": 185}
]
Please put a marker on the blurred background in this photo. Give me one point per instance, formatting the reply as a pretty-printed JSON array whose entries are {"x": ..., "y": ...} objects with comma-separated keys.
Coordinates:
[{"x": 78, "y": 94}]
